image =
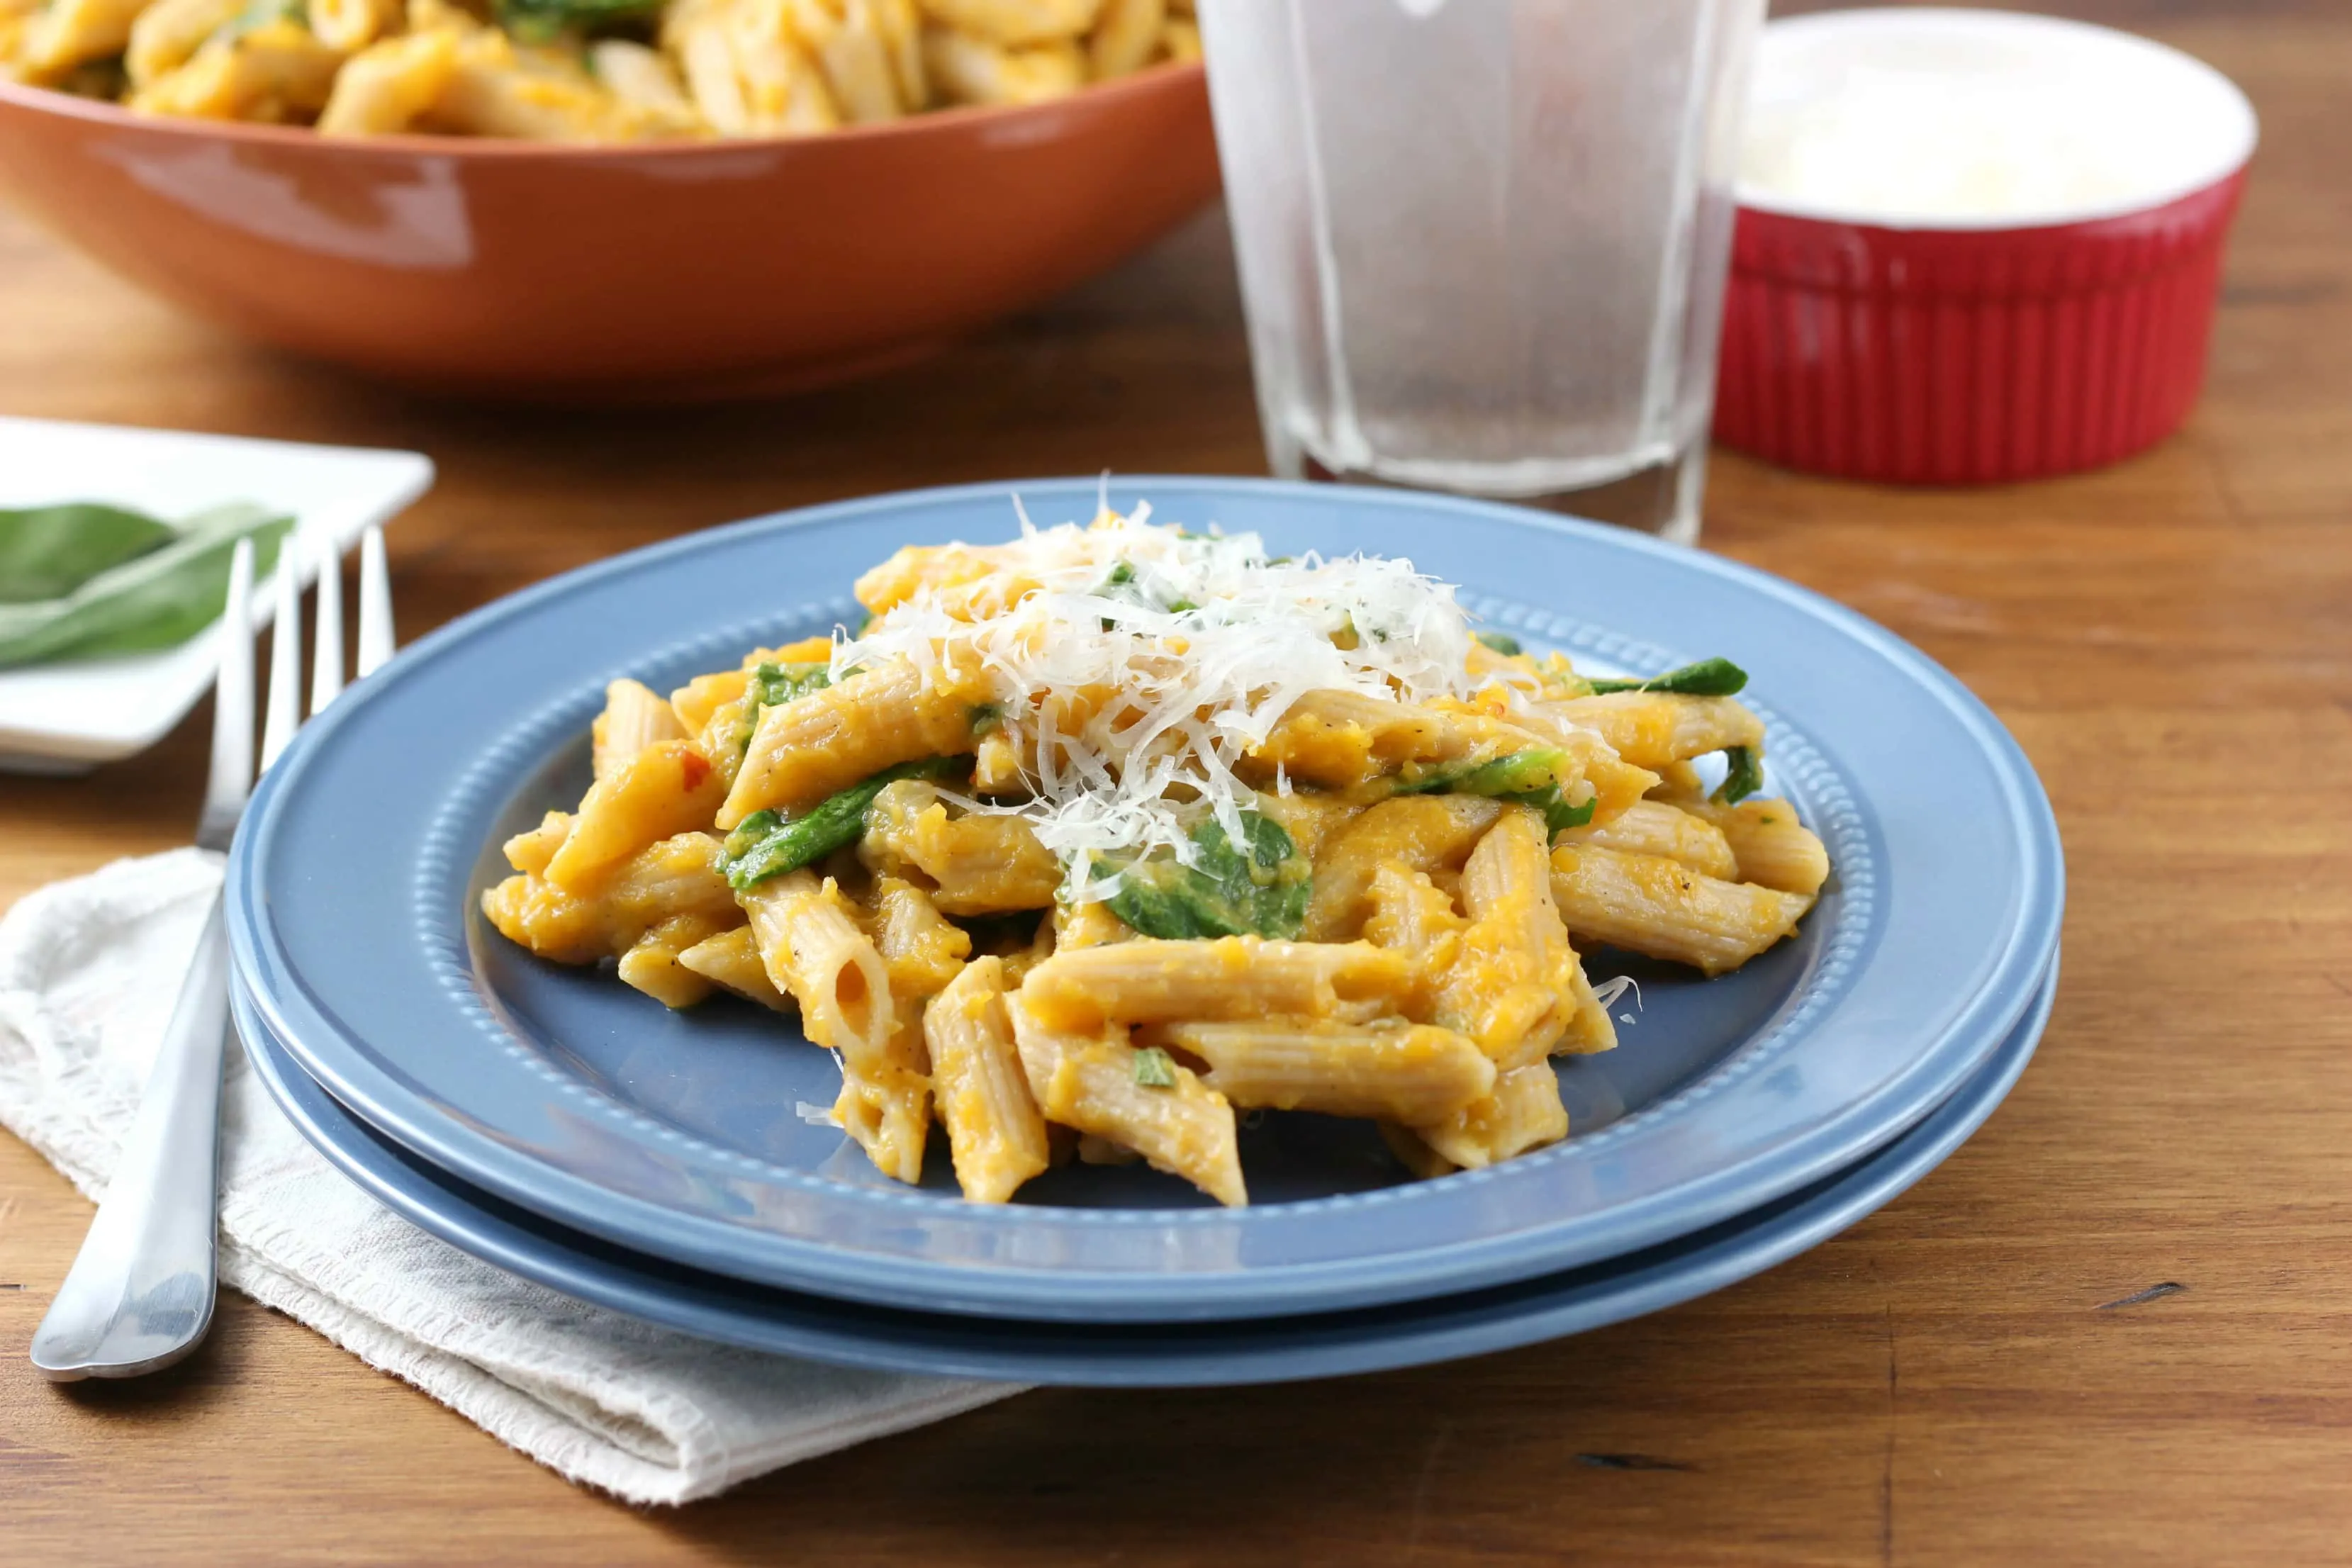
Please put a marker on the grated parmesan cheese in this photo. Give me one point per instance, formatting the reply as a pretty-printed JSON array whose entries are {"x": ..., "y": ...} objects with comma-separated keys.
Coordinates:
[{"x": 1136, "y": 664}]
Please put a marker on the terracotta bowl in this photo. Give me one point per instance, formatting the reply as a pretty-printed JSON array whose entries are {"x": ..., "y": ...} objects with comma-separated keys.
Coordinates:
[{"x": 607, "y": 274}]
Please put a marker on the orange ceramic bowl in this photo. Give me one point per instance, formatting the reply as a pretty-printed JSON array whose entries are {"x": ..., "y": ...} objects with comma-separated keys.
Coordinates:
[{"x": 559, "y": 273}]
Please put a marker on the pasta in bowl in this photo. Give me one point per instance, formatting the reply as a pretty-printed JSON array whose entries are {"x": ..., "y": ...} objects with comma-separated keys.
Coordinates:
[
  {"x": 583, "y": 70},
  {"x": 1088, "y": 843}
]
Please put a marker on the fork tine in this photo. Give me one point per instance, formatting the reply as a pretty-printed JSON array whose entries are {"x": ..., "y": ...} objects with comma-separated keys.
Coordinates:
[
  {"x": 285, "y": 655},
  {"x": 232, "y": 771},
  {"x": 376, "y": 603},
  {"x": 327, "y": 646}
]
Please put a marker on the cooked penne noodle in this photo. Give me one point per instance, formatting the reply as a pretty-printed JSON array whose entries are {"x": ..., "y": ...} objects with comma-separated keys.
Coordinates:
[
  {"x": 652, "y": 963},
  {"x": 969, "y": 70},
  {"x": 166, "y": 34},
  {"x": 1127, "y": 35},
  {"x": 1650, "y": 729},
  {"x": 1405, "y": 1072},
  {"x": 731, "y": 961},
  {"x": 1516, "y": 986},
  {"x": 921, "y": 950},
  {"x": 815, "y": 951},
  {"x": 1770, "y": 845},
  {"x": 978, "y": 864},
  {"x": 678, "y": 876},
  {"x": 1235, "y": 977},
  {"x": 996, "y": 1135},
  {"x": 1088, "y": 1080},
  {"x": 387, "y": 86},
  {"x": 1523, "y": 1113},
  {"x": 633, "y": 718},
  {"x": 1415, "y": 832},
  {"x": 1655, "y": 827},
  {"x": 666, "y": 789},
  {"x": 805, "y": 751},
  {"x": 1013, "y": 22},
  {"x": 350, "y": 25},
  {"x": 275, "y": 72},
  {"x": 1650, "y": 905}
]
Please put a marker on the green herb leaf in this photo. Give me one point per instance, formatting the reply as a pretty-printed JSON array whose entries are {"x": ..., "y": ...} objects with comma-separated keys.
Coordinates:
[
  {"x": 1155, "y": 1069},
  {"x": 986, "y": 716},
  {"x": 1707, "y": 678},
  {"x": 544, "y": 21},
  {"x": 48, "y": 551},
  {"x": 1742, "y": 777},
  {"x": 768, "y": 844},
  {"x": 159, "y": 599},
  {"x": 1500, "y": 642},
  {"x": 1121, "y": 576},
  {"x": 1559, "y": 815},
  {"x": 777, "y": 684},
  {"x": 1226, "y": 893},
  {"x": 1513, "y": 774},
  {"x": 1526, "y": 778}
]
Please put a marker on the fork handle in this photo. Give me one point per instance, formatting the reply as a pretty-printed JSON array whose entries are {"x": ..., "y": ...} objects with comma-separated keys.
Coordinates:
[{"x": 140, "y": 1295}]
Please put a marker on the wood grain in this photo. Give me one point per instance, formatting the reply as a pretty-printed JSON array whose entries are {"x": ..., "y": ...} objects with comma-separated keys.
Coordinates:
[{"x": 1952, "y": 1382}]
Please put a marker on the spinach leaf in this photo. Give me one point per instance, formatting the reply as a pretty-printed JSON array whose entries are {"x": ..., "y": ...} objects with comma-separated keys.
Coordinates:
[
  {"x": 544, "y": 21},
  {"x": 1743, "y": 777},
  {"x": 159, "y": 599},
  {"x": 1526, "y": 778},
  {"x": 48, "y": 551},
  {"x": 777, "y": 684},
  {"x": 769, "y": 844},
  {"x": 1227, "y": 893},
  {"x": 1707, "y": 678},
  {"x": 1513, "y": 774}
]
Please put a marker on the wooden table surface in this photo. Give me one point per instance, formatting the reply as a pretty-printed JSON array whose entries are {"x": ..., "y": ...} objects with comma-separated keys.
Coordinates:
[{"x": 1961, "y": 1378}]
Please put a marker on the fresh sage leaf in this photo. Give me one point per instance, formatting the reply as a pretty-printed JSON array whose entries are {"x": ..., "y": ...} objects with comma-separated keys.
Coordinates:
[
  {"x": 48, "y": 551},
  {"x": 1707, "y": 678},
  {"x": 1743, "y": 776},
  {"x": 768, "y": 844},
  {"x": 159, "y": 599},
  {"x": 1226, "y": 893}
]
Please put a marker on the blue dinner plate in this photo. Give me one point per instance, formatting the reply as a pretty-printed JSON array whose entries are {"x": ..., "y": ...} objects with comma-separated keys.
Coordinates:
[
  {"x": 1263, "y": 1349},
  {"x": 353, "y": 909}
]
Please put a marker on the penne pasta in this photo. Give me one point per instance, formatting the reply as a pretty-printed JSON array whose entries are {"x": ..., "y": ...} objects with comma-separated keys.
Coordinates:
[
  {"x": 633, "y": 719},
  {"x": 805, "y": 751},
  {"x": 1235, "y": 977},
  {"x": 1655, "y": 827},
  {"x": 1088, "y": 838},
  {"x": 976, "y": 863},
  {"x": 814, "y": 952},
  {"x": 1523, "y": 1113},
  {"x": 1769, "y": 845},
  {"x": 1404, "y": 1072},
  {"x": 1649, "y": 905},
  {"x": 1088, "y": 1080},
  {"x": 1651, "y": 729},
  {"x": 730, "y": 960},
  {"x": 996, "y": 1136}
]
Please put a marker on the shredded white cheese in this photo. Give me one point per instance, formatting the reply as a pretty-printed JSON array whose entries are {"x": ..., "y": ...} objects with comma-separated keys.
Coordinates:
[{"x": 1203, "y": 643}]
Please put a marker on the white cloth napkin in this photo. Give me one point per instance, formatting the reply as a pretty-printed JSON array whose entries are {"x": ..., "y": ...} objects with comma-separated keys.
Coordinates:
[{"x": 89, "y": 971}]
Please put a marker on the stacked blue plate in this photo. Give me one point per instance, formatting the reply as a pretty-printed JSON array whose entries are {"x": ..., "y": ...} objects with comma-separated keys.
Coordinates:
[{"x": 582, "y": 1135}]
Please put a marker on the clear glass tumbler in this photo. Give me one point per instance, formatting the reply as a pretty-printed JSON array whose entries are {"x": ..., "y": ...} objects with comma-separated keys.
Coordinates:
[{"x": 1482, "y": 242}]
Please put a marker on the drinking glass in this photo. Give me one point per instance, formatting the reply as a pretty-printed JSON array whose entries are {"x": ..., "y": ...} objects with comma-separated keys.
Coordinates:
[{"x": 1481, "y": 243}]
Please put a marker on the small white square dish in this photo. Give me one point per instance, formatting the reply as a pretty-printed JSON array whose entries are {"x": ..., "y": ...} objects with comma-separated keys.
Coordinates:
[{"x": 71, "y": 716}]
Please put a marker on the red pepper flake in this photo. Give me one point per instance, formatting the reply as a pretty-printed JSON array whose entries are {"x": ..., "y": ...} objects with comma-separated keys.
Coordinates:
[{"x": 694, "y": 767}]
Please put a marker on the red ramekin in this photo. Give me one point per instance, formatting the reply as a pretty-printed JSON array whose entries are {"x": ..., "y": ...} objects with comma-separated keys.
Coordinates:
[{"x": 1957, "y": 351}]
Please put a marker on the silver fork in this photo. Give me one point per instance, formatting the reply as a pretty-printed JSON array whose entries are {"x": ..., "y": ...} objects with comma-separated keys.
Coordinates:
[{"x": 140, "y": 1294}]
